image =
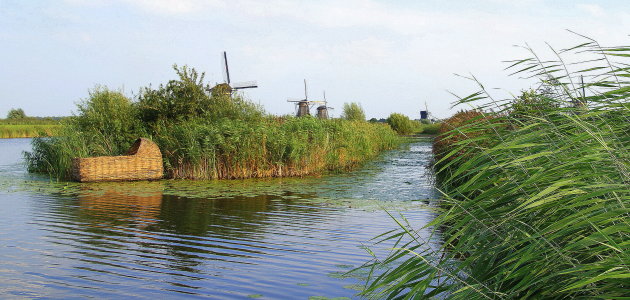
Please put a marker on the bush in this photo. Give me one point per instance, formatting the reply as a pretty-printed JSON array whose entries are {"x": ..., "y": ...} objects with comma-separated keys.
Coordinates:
[
  {"x": 402, "y": 124},
  {"x": 353, "y": 112},
  {"x": 107, "y": 123},
  {"x": 16, "y": 114}
]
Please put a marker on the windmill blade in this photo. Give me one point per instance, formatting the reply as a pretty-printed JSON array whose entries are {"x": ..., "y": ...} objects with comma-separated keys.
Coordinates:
[
  {"x": 305, "y": 90},
  {"x": 245, "y": 85},
  {"x": 295, "y": 100},
  {"x": 225, "y": 68}
]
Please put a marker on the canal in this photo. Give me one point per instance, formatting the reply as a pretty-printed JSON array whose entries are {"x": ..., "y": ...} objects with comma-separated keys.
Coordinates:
[{"x": 283, "y": 238}]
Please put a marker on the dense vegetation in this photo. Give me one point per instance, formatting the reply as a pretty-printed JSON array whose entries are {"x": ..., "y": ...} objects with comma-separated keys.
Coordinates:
[
  {"x": 535, "y": 191},
  {"x": 206, "y": 134}
]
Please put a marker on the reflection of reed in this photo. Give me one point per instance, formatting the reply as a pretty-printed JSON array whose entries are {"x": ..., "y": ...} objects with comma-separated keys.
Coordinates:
[{"x": 116, "y": 202}]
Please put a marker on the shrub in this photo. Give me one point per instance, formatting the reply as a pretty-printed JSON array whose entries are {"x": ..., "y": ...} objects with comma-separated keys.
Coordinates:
[
  {"x": 106, "y": 124},
  {"x": 402, "y": 124},
  {"x": 16, "y": 114},
  {"x": 353, "y": 111}
]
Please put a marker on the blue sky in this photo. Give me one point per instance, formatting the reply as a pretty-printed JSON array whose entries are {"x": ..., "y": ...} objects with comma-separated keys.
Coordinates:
[{"x": 390, "y": 56}]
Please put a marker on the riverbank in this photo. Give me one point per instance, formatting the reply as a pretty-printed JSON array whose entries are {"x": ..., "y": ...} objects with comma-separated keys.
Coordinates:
[
  {"x": 535, "y": 196},
  {"x": 27, "y": 131}
]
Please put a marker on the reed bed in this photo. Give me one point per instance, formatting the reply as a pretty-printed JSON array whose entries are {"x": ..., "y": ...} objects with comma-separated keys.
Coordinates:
[
  {"x": 535, "y": 191},
  {"x": 27, "y": 131},
  {"x": 206, "y": 135}
]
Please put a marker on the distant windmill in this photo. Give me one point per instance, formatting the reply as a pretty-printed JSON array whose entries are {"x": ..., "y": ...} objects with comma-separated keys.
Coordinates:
[
  {"x": 322, "y": 110},
  {"x": 424, "y": 114},
  {"x": 227, "y": 86},
  {"x": 304, "y": 105}
]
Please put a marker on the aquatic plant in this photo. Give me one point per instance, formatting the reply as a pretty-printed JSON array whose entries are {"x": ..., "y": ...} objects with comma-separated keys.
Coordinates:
[{"x": 535, "y": 194}]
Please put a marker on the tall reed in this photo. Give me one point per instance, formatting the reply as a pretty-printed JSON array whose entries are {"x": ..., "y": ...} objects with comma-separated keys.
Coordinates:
[
  {"x": 535, "y": 194},
  {"x": 27, "y": 131}
]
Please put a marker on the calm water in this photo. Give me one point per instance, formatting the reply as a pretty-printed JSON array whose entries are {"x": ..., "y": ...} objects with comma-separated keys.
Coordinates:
[{"x": 273, "y": 239}]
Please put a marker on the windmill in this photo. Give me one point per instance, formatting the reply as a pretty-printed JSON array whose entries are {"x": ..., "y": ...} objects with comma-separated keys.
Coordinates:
[
  {"x": 304, "y": 105},
  {"x": 424, "y": 114},
  {"x": 322, "y": 110},
  {"x": 227, "y": 87}
]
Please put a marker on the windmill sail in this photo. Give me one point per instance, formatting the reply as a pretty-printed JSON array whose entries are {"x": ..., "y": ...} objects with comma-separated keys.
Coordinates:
[
  {"x": 245, "y": 85},
  {"x": 224, "y": 67}
]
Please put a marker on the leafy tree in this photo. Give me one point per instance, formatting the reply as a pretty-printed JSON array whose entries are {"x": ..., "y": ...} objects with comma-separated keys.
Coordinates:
[
  {"x": 401, "y": 123},
  {"x": 353, "y": 111},
  {"x": 16, "y": 114}
]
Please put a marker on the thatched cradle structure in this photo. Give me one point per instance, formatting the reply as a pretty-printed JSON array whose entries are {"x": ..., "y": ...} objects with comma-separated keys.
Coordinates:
[{"x": 142, "y": 162}]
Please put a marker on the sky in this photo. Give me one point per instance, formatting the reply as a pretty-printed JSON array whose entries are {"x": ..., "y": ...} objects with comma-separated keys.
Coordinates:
[{"x": 389, "y": 56}]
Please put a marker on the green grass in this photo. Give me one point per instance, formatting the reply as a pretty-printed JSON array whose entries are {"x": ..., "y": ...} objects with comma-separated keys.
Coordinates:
[
  {"x": 27, "y": 131},
  {"x": 535, "y": 192},
  {"x": 429, "y": 128},
  {"x": 32, "y": 121}
]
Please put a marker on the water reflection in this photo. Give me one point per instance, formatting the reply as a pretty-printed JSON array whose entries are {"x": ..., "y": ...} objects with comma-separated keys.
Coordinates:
[{"x": 274, "y": 238}]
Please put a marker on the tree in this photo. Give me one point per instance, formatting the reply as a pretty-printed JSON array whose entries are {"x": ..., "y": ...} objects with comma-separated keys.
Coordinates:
[
  {"x": 353, "y": 111},
  {"x": 401, "y": 124},
  {"x": 16, "y": 114}
]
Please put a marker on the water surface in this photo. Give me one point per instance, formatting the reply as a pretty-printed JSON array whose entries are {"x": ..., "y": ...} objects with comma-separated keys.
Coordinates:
[{"x": 290, "y": 238}]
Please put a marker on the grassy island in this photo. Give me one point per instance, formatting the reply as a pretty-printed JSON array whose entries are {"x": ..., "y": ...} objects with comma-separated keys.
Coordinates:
[{"x": 206, "y": 133}]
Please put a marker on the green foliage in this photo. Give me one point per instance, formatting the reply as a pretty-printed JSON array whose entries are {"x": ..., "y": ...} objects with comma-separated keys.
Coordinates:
[
  {"x": 430, "y": 128},
  {"x": 107, "y": 123},
  {"x": 32, "y": 121},
  {"x": 27, "y": 131},
  {"x": 402, "y": 124},
  {"x": 353, "y": 111},
  {"x": 16, "y": 114},
  {"x": 204, "y": 133},
  {"x": 535, "y": 195},
  {"x": 529, "y": 103},
  {"x": 189, "y": 98}
]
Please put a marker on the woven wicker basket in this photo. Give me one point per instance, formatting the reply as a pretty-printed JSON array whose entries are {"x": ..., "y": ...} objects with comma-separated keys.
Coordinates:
[{"x": 142, "y": 162}]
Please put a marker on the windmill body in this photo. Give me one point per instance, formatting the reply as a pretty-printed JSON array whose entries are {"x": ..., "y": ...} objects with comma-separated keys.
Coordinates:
[{"x": 303, "y": 106}]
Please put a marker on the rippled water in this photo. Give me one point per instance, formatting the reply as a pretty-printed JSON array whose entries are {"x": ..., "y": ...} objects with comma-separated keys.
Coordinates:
[{"x": 275, "y": 238}]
